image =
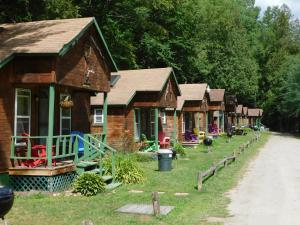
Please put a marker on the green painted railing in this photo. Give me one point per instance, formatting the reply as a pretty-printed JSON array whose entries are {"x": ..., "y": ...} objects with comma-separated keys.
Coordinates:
[
  {"x": 65, "y": 147},
  {"x": 34, "y": 147}
]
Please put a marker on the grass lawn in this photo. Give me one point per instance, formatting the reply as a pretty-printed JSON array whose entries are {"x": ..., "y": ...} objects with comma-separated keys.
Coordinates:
[{"x": 192, "y": 209}]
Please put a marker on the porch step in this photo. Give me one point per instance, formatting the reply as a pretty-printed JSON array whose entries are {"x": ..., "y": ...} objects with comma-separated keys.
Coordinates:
[
  {"x": 113, "y": 185},
  {"x": 97, "y": 170},
  {"x": 85, "y": 164}
]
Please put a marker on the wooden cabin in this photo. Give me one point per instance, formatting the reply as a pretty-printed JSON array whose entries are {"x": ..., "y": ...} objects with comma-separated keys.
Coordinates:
[
  {"x": 216, "y": 108},
  {"x": 48, "y": 71},
  {"x": 245, "y": 117},
  {"x": 138, "y": 107},
  {"x": 238, "y": 116},
  {"x": 230, "y": 110},
  {"x": 192, "y": 111},
  {"x": 254, "y": 117}
]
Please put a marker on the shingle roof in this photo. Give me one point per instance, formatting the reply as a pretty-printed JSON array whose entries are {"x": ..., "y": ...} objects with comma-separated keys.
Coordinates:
[
  {"x": 216, "y": 95},
  {"x": 190, "y": 92},
  {"x": 254, "y": 112},
  {"x": 239, "y": 109},
  {"x": 132, "y": 81},
  {"x": 42, "y": 37}
]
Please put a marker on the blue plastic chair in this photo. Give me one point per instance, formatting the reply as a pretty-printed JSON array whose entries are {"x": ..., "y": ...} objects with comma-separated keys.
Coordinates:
[{"x": 80, "y": 142}]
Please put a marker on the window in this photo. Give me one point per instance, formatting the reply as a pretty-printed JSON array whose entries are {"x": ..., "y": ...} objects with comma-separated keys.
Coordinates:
[
  {"x": 137, "y": 124},
  {"x": 65, "y": 118},
  {"x": 22, "y": 111},
  {"x": 98, "y": 116},
  {"x": 163, "y": 117}
]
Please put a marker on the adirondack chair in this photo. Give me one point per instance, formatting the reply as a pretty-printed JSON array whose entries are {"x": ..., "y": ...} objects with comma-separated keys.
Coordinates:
[
  {"x": 80, "y": 142},
  {"x": 147, "y": 145},
  {"x": 199, "y": 134},
  {"x": 189, "y": 136},
  {"x": 164, "y": 141},
  {"x": 36, "y": 151}
]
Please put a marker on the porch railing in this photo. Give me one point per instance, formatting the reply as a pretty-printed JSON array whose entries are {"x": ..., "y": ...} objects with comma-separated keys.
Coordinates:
[{"x": 65, "y": 147}]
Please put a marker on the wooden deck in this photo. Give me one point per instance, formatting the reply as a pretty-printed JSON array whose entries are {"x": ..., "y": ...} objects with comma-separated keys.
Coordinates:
[{"x": 41, "y": 171}]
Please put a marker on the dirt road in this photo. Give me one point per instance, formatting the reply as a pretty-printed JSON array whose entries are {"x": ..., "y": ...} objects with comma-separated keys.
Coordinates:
[{"x": 269, "y": 193}]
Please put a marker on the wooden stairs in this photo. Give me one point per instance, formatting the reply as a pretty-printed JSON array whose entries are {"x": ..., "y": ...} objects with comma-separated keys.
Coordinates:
[{"x": 93, "y": 167}]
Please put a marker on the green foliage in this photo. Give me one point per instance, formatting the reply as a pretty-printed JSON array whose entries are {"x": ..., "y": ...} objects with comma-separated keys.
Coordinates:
[
  {"x": 179, "y": 149},
  {"x": 89, "y": 184},
  {"x": 127, "y": 169},
  {"x": 222, "y": 42}
]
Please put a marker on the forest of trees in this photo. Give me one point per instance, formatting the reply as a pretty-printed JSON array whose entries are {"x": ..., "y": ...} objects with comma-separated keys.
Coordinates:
[{"x": 227, "y": 43}]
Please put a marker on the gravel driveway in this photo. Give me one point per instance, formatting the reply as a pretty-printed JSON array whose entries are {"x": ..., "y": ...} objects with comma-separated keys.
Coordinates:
[{"x": 269, "y": 193}]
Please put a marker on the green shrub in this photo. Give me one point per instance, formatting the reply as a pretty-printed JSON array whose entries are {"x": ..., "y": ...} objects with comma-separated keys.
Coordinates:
[
  {"x": 127, "y": 169},
  {"x": 89, "y": 184},
  {"x": 179, "y": 149}
]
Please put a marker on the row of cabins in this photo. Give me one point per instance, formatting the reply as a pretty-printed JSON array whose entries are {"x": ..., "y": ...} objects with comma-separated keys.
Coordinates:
[{"x": 63, "y": 103}]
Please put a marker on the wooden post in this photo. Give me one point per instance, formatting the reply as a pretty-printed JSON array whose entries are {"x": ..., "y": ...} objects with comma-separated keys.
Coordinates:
[
  {"x": 105, "y": 103},
  {"x": 155, "y": 203},
  {"x": 199, "y": 186},
  {"x": 175, "y": 127},
  {"x": 156, "y": 128},
  {"x": 215, "y": 169},
  {"x": 234, "y": 155},
  {"x": 50, "y": 124}
]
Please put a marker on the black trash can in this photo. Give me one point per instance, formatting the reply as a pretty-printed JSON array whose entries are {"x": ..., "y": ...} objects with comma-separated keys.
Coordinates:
[
  {"x": 6, "y": 201},
  {"x": 164, "y": 159}
]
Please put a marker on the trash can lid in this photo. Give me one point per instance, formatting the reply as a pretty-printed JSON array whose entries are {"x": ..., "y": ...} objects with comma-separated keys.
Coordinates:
[{"x": 164, "y": 151}]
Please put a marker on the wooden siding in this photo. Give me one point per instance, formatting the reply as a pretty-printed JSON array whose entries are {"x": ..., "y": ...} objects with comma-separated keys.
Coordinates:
[{"x": 72, "y": 67}]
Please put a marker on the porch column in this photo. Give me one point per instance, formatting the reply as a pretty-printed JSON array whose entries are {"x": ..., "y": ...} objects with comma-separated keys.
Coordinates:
[
  {"x": 50, "y": 124},
  {"x": 156, "y": 127},
  {"x": 206, "y": 122},
  {"x": 218, "y": 121},
  {"x": 104, "y": 116},
  {"x": 223, "y": 121},
  {"x": 175, "y": 127},
  {"x": 198, "y": 121}
]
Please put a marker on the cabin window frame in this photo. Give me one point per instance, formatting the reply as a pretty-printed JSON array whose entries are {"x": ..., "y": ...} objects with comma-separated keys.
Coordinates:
[
  {"x": 137, "y": 124},
  {"x": 152, "y": 123},
  {"x": 62, "y": 117},
  {"x": 101, "y": 115},
  {"x": 163, "y": 116},
  {"x": 16, "y": 116}
]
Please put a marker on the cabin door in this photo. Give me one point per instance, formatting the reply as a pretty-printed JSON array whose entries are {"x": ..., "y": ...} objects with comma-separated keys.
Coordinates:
[{"x": 43, "y": 112}]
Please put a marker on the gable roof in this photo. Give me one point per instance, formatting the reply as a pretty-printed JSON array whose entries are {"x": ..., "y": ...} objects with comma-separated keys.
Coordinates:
[
  {"x": 239, "y": 109},
  {"x": 133, "y": 81},
  {"x": 254, "y": 112},
  {"x": 44, "y": 37},
  {"x": 190, "y": 92},
  {"x": 216, "y": 95}
]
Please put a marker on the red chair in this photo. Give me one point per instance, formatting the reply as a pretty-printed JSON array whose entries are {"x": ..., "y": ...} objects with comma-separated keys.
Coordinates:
[
  {"x": 38, "y": 151},
  {"x": 164, "y": 142}
]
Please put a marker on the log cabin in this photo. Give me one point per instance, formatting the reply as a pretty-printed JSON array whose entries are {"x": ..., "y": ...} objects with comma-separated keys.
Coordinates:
[
  {"x": 216, "y": 108},
  {"x": 245, "y": 122},
  {"x": 48, "y": 71},
  {"x": 230, "y": 111},
  {"x": 138, "y": 105},
  {"x": 192, "y": 112},
  {"x": 254, "y": 117},
  {"x": 238, "y": 116}
]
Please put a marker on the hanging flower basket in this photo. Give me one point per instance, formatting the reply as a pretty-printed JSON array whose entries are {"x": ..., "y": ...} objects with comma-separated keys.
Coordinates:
[{"x": 66, "y": 103}]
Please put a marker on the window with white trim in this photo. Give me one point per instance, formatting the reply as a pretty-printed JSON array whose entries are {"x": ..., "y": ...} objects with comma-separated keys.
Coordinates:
[
  {"x": 65, "y": 118},
  {"x": 137, "y": 124},
  {"x": 98, "y": 116},
  {"x": 22, "y": 111},
  {"x": 163, "y": 117}
]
